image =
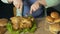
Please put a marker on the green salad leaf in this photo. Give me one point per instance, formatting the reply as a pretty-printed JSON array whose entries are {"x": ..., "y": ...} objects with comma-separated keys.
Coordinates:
[
  {"x": 10, "y": 29},
  {"x": 32, "y": 29}
]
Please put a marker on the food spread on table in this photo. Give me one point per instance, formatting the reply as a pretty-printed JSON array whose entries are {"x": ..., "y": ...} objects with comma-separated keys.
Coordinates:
[
  {"x": 3, "y": 23},
  {"x": 19, "y": 24},
  {"x": 54, "y": 22}
]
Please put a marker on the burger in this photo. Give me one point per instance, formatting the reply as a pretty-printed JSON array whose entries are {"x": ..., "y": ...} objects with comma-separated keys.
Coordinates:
[
  {"x": 2, "y": 30},
  {"x": 49, "y": 19},
  {"x": 55, "y": 15},
  {"x": 54, "y": 28},
  {"x": 57, "y": 20},
  {"x": 3, "y": 22}
]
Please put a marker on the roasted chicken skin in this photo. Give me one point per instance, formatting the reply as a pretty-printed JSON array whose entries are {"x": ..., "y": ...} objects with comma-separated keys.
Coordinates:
[{"x": 22, "y": 22}]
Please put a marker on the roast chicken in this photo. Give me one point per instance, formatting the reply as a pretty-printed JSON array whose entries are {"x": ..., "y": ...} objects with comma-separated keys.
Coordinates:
[{"x": 21, "y": 22}]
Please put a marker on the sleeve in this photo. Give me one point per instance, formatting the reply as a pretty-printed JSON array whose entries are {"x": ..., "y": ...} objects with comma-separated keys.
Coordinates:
[
  {"x": 51, "y": 3},
  {"x": 5, "y": 1}
]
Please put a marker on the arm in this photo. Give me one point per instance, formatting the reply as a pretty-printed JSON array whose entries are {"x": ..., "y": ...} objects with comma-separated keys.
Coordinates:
[
  {"x": 7, "y": 1},
  {"x": 49, "y": 3},
  {"x": 18, "y": 4},
  {"x": 34, "y": 7}
]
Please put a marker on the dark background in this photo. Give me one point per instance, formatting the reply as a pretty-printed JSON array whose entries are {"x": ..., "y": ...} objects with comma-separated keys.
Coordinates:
[{"x": 6, "y": 10}]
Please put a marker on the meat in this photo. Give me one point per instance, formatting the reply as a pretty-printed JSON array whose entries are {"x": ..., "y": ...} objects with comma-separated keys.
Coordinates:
[
  {"x": 3, "y": 22},
  {"x": 21, "y": 22},
  {"x": 2, "y": 30}
]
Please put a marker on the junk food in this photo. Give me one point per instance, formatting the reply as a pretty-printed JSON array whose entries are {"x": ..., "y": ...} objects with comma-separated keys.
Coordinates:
[{"x": 22, "y": 22}]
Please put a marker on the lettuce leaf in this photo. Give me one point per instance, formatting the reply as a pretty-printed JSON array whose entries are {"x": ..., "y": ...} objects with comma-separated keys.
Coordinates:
[{"x": 32, "y": 29}]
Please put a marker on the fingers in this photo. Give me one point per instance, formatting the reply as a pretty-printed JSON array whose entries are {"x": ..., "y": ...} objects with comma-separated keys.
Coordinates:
[
  {"x": 34, "y": 7},
  {"x": 31, "y": 11},
  {"x": 43, "y": 2},
  {"x": 21, "y": 7},
  {"x": 17, "y": 3},
  {"x": 10, "y": 1}
]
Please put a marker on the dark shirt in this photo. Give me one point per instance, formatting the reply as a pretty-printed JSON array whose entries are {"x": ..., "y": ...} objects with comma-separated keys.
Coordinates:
[{"x": 6, "y": 10}]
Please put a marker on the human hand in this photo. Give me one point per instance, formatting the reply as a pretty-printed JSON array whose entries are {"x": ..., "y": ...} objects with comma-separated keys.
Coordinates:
[
  {"x": 43, "y": 2},
  {"x": 10, "y": 1},
  {"x": 18, "y": 3},
  {"x": 34, "y": 7}
]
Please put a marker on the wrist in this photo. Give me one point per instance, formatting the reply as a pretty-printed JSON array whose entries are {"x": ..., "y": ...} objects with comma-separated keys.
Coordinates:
[
  {"x": 42, "y": 2},
  {"x": 37, "y": 2},
  {"x": 10, "y": 1}
]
